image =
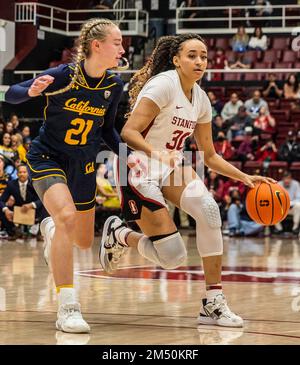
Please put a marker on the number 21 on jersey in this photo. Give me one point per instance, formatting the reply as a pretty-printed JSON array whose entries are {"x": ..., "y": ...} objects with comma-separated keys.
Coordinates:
[{"x": 80, "y": 133}]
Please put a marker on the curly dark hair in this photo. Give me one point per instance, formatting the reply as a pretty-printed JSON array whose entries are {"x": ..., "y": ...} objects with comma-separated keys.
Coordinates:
[{"x": 160, "y": 60}]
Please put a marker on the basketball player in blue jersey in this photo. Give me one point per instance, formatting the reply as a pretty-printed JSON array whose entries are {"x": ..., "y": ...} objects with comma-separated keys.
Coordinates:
[
  {"x": 168, "y": 106},
  {"x": 82, "y": 100}
]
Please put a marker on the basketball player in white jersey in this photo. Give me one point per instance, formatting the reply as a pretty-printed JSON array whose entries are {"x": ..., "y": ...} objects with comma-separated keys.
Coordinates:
[{"x": 168, "y": 106}]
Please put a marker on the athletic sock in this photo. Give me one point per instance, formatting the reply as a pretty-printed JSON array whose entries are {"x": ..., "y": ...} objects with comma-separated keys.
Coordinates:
[
  {"x": 213, "y": 290},
  {"x": 121, "y": 234},
  {"x": 66, "y": 294}
]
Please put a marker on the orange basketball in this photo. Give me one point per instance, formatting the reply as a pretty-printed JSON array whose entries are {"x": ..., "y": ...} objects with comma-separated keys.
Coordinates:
[{"x": 267, "y": 204}]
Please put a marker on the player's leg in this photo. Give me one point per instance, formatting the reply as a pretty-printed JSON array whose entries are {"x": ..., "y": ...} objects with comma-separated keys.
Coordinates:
[
  {"x": 50, "y": 182},
  {"x": 160, "y": 242},
  {"x": 82, "y": 187},
  {"x": 192, "y": 196},
  {"x": 63, "y": 214},
  {"x": 84, "y": 228}
]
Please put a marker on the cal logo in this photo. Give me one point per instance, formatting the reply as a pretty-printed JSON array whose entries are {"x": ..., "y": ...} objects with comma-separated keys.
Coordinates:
[
  {"x": 133, "y": 207},
  {"x": 107, "y": 94},
  {"x": 89, "y": 168}
]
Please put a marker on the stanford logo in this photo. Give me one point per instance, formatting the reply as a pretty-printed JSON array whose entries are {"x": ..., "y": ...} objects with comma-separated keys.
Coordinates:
[{"x": 133, "y": 207}]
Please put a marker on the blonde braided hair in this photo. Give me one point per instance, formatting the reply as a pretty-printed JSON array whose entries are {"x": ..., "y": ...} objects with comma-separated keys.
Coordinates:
[
  {"x": 92, "y": 29},
  {"x": 160, "y": 60}
]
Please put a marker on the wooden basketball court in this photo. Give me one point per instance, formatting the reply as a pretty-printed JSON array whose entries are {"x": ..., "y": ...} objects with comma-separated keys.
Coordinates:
[{"x": 143, "y": 304}]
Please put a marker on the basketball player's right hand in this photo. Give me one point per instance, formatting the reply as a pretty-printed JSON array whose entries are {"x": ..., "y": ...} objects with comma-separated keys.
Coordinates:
[
  {"x": 251, "y": 180},
  {"x": 39, "y": 85}
]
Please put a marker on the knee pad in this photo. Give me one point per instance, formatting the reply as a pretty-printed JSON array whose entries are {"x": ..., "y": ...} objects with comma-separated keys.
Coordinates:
[
  {"x": 167, "y": 251},
  {"x": 197, "y": 201},
  {"x": 170, "y": 250}
]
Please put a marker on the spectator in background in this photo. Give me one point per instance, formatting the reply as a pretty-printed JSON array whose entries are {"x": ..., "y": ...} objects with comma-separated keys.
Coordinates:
[
  {"x": 15, "y": 122},
  {"x": 265, "y": 123},
  {"x": 2, "y": 127},
  {"x": 9, "y": 127},
  {"x": 248, "y": 147},
  {"x": 223, "y": 147},
  {"x": 231, "y": 108},
  {"x": 263, "y": 8},
  {"x": 254, "y": 104},
  {"x": 215, "y": 185},
  {"x": 4, "y": 178},
  {"x": 11, "y": 169},
  {"x": 272, "y": 87},
  {"x": 218, "y": 125},
  {"x": 238, "y": 123},
  {"x": 24, "y": 196},
  {"x": 215, "y": 104},
  {"x": 25, "y": 131},
  {"x": 291, "y": 87},
  {"x": 293, "y": 188},
  {"x": 233, "y": 185},
  {"x": 258, "y": 40},
  {"x": 266, "y": 154},
  {"x": 16, "y": 141},
  {"x": 241, "y": 61},
  {"x": 24, "y": 148},
  {"x": 290, "y": 150},
  {"x": 5, "y": 147},
  {"x": 220, "y": 63},
  {"x": 240, "y": 40},
  {"x": 238, "y": 220},
  {"x": 107, "y": 194}
]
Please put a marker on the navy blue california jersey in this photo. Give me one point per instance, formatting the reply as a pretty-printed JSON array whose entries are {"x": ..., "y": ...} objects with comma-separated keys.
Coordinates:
[{"x": 76, "y": 120}]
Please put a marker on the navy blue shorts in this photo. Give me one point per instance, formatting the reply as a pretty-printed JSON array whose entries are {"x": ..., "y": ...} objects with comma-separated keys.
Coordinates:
[{"x": 80, "y": 176}]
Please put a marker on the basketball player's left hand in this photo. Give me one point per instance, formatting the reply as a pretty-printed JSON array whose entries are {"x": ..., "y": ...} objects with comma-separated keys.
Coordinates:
[{"x": 251, "y": 180}]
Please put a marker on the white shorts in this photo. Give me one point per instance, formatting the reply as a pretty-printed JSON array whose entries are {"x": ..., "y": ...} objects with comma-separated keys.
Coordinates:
[{"x": 138, "y": 191}]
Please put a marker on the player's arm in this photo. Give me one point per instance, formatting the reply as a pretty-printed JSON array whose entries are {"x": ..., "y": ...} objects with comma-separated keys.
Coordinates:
[
  {"x": 25, "y": 90},
  {"x": 203, "y": 137},
  {"x": 156, "y": 95},
  {"x": 109, "y": 134},
  {"x": 139, "y": 120}
]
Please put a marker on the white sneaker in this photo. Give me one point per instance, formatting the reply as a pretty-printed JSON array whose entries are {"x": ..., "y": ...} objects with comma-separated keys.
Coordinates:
[
  {"x": 47, "y": 242},
  {"x": 218, "y": 313},
  {"x": 69, "y": 319},
  {"x": 110, "y": 250}
]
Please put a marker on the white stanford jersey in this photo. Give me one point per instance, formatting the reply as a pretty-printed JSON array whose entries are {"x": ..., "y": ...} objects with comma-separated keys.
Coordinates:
[
  {"x": 175, "y": 122},
  {"x": 178, "y": 116}
]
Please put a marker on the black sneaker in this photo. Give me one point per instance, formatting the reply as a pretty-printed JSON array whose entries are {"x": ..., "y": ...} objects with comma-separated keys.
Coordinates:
[{"x": 111, "y": 250}]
